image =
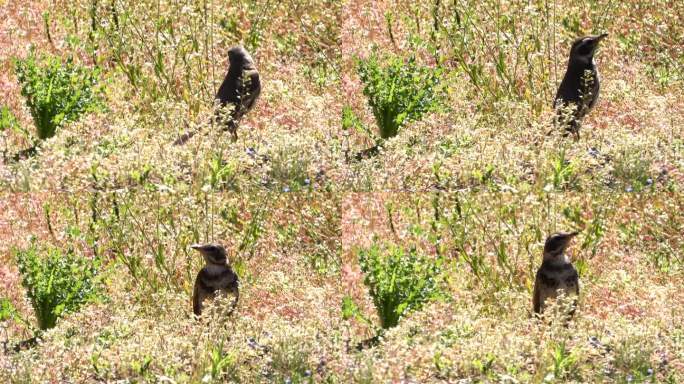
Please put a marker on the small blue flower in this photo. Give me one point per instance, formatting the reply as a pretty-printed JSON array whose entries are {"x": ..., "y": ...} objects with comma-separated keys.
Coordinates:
[
  {"x": 649, "y": 371},
  {"x": 649, "y": 181},
  {"x": 286, "y": 189},
  {"x": 307, "y": 373},
  {"x": 288, "y": 380},
  {"x": 307, "y": 181},
  {"x": 251, "y": 152},
  {"x": 594, "y": 152},
  {"x": 629, "y": 189}
]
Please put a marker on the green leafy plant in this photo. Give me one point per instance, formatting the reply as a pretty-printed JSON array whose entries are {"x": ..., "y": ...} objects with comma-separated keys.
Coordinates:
[
  {"x": 6, "y": 309},
  {"x": 351, "y": 121},
  {"x": 564, "y": 363},
  {"x": 56, "y": 92},
  {"x": 399, "y": 281},
  {"x": 56, "y": 283},
  {"x": 9, "y": 312},
  {"x": 142, "y": 366},
  {"x": 398, "y": 90},
  {"x": 222, "y": 174},
  {"x": 564, "y": 172},
  {"x": 9, "y": 121},
  {"x": 221, "y": 363},
  {"x": 594, "y": 232},
  {"x": 351, "y": 310}
]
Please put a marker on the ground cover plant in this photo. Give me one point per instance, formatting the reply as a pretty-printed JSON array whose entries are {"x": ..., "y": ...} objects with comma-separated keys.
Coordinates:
[
  {"x": 398, "y": 280},
  {"x": 298, "y": 266},
  {"x": 56, "y": 93},
  {"x": 385, "y": 206},
  {"x": 495, "y": 78},
  {"x": 56, "y": 283},
  {"x": 398, "y": 92}
]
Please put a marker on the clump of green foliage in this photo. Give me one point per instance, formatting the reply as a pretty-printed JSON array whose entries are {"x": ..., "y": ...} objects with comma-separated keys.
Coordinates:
[
  {"x": 56, "y": 92},
  {"x": 57, "y": 283},
  {"x": 7, "y": 310},
  {"x": 398, "y": 280},
  {"x": 222, "y": 363},
  {"x": 8, "y": 120},
  {"x": 351, "y": 121},
  {"x": 398, "y": 90}
]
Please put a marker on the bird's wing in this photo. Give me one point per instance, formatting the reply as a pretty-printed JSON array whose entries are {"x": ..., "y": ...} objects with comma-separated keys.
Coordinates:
[
  {"x": 250, "y": 90},
  {"x": 227, "y": 280},
  {"x": 536, "y": 302},
  {"x": 196, "y": 299}
]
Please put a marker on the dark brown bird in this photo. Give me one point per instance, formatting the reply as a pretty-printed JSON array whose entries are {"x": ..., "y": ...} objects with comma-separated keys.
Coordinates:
[
  {"x": 556, "y": 274},
  {"x": 215, "y": 278},
  {"x": 237, "y": 94},
  {"x": 239, "y": 91},
  {"x": 579, "y": 90}
]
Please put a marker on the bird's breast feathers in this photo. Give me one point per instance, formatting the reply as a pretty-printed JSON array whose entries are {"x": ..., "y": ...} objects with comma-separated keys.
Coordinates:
[
  {"x": 557, "y": 275},
  {"x": 217, "y": 277}
]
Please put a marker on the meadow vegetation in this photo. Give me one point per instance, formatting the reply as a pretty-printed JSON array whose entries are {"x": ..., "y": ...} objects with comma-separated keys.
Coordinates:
[
  {"x": 385, "y": 205},
  {"x": 447, "y": 277}
]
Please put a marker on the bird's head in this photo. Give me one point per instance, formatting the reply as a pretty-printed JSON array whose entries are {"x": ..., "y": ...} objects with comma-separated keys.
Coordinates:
[
  {"x": 556, "y": 244},
  {"x": 583, "y": 48},
  {"x": 212, "y": 253},
  {"x": 239, "y": 57}
]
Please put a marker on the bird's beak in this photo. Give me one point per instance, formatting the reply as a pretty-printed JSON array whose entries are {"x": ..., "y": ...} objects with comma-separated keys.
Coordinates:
[
  {"x": 196, "y": 246},
  {"x": 573, "y": 234},
  {"x": 601, "y": 37}
]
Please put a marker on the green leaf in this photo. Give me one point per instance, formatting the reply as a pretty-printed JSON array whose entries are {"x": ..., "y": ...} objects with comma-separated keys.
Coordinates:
[
  {"x": 349, "y": 308},
  {"x": 7, "y": 310}
]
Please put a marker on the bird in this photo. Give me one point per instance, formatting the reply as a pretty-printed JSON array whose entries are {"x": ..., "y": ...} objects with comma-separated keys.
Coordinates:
[
  {"x": 557, "y": 274},
  {"x": 216, "y": 277},
  {"x": 239, "y": 90},
  {"x": 238, "y": 93},
  {"x": 579, "y": 90}
]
